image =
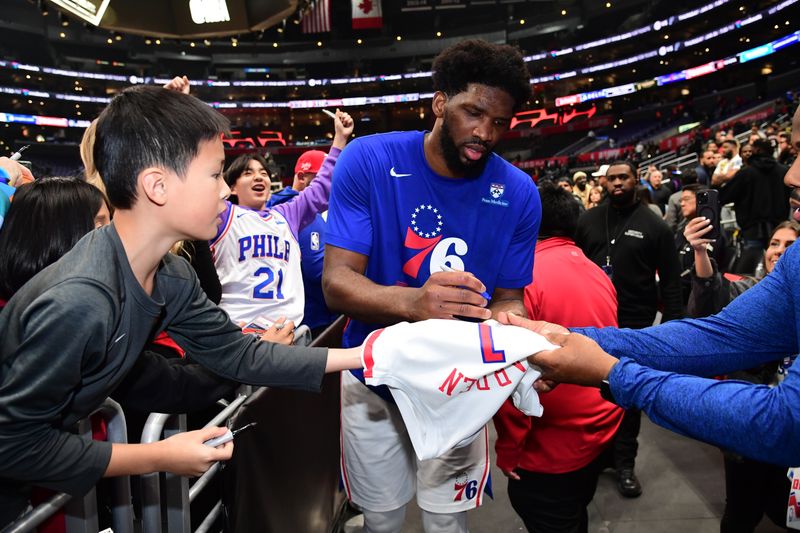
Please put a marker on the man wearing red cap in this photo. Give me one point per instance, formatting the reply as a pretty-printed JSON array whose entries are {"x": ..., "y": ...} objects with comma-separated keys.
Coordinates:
[{"x": 304, "y": 171}]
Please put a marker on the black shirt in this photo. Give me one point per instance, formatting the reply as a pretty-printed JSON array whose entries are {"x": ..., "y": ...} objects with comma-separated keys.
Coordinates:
[
  {"x": 760, "y": 198},
  {"x": 638, "y": 244}
]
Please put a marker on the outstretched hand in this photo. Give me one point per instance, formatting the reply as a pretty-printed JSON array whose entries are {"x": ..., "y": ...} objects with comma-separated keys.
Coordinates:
[
  {"x": 580, "y": 360},
  {"x": 542, "y": 328},
  {"x": 539, "y": 326}
]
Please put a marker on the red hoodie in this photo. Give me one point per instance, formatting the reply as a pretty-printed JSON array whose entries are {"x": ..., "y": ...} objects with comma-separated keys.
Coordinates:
[{"x": 577, "y": 424}]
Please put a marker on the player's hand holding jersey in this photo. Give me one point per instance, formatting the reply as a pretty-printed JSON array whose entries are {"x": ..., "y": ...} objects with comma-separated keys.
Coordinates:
[{"x": 450, "y": 294}]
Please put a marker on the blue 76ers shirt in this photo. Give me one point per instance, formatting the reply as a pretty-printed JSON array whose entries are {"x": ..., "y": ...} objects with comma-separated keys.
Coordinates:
[{"x": 388, "y": 204}]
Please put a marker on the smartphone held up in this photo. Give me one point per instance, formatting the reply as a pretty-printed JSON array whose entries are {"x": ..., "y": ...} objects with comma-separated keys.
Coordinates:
[{"x": 708, "y": 207}]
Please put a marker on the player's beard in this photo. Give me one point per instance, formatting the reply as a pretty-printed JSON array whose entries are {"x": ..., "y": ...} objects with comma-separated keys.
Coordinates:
[{"x": 452, "y": 155}]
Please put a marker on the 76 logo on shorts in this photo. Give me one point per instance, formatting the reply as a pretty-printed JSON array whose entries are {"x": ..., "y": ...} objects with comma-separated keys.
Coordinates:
[{"x": 465, "y": 488}]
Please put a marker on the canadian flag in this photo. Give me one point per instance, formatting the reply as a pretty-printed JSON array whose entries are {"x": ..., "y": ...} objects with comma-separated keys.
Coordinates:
[{"x": 367, "y": 14}]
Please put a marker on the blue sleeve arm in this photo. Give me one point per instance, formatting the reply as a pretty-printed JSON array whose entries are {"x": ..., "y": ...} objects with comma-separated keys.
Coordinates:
[
  {"x": 754, "y": 420},
  {"x": 758, "y": 327}
]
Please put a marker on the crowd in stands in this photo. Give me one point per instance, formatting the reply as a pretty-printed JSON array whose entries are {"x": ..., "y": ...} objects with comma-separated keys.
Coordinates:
[{"x": 622, "y": 244}]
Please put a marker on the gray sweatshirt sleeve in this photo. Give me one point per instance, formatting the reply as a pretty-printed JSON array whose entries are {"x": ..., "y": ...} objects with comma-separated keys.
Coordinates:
[
  {"x": 210, "y": 338},
  {"x": 42, "y": 368}
]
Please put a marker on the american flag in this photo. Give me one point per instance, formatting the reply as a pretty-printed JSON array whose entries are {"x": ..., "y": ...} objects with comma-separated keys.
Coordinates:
[{"x": 318, "y": 17}]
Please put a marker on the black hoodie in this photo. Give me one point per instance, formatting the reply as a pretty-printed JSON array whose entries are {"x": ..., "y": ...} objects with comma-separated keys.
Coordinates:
[{"x": 760, "y": 198}]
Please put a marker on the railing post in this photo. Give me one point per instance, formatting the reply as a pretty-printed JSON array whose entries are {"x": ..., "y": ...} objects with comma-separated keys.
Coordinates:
[
  {"x": 151, "y": 483},
  {"x": 80, "y": 513},
  {"x": 121, "y": 505},
  {"x": 177, "y": 487},
  {"x": 177, "y": 495}
]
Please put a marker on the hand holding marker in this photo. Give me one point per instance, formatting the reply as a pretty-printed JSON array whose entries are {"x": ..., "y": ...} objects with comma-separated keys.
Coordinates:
[
  {"x": 16, "y": 156},
  {"x": 448, "y": 268},
  {"x": 227, "y": 436}
]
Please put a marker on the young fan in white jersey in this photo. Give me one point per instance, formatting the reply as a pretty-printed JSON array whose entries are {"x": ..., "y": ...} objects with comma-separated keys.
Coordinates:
[{"x": 256, "y": 253}]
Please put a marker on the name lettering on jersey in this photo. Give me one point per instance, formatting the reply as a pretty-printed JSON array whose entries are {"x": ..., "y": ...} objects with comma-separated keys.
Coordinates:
[
  {"x": 490, "y": 355},
  {"x": 457, "y": 383},
  {"x": 263, "y": 245}
]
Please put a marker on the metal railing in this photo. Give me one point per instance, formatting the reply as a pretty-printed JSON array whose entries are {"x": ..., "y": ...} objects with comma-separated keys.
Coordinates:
[
  {"x": 680, "y": 162},
  {"x": 174, "y": 509},
  {"x": 80, "y": 513},
  {"x": 661, "y": 162},
  {"x": 743, "y": 137},
  {"x": 178, "y": 496},
  {"x": 654, "y": 161}
]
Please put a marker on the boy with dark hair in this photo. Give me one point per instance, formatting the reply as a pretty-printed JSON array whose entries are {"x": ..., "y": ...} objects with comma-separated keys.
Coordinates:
[
  {"x": 73, "y": 332},
  {"x": 428, "y": 225}
]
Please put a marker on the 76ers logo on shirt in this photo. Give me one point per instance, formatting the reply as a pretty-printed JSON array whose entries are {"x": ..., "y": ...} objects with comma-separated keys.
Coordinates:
[
  {"x": 424, "y": 233},
  {"x": 465, "y": 488}
]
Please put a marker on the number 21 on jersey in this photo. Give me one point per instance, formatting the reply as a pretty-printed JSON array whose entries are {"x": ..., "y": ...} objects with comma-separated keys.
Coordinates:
[{"x": 267, "y": 290}]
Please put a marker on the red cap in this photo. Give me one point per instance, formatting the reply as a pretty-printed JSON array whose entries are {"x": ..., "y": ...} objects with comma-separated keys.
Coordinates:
[{"x": 310, "y": 161}]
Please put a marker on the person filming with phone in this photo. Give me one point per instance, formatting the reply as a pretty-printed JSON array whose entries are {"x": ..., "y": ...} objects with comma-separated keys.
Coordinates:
[
  {"x": 760, "y": 199},
  {"x": 699, "y": 208}
]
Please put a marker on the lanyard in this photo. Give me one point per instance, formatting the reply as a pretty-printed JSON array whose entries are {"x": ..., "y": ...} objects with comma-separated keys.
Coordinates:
[{"x": 611, "y": 242}]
